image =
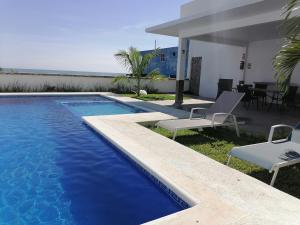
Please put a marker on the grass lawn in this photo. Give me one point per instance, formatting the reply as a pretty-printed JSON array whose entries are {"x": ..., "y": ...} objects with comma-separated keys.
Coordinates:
[
  {"x": 152, "y": 97},
  {"x": 217, "y": 143}
]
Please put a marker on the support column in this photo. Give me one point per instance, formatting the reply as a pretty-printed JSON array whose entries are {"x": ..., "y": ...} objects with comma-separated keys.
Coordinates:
[{"x": 181, "y": 64}]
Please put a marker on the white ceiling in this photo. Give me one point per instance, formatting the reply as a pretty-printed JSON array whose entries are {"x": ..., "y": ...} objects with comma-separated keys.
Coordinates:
[{"x": 242, "y": 36}]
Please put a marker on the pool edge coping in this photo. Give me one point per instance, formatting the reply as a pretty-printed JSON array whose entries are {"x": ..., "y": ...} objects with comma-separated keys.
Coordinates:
[
  {"x": 186, "y": 196},
  {"x": 191, "y": 201}
]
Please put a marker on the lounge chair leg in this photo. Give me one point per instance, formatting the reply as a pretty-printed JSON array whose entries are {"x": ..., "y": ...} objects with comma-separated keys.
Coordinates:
[
  {"x": 236, "y": 126},
  {"x": 274, "y": 176},
  {"x": 174, "y": 135},
  {"x": 228, "y": 161}
]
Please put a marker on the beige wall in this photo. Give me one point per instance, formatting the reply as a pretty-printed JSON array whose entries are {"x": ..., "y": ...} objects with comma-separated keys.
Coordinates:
[
  {"x": 218, "y": 61},
  {"x": 36, "y": 81},
  {"x": 260, "y": 56}
]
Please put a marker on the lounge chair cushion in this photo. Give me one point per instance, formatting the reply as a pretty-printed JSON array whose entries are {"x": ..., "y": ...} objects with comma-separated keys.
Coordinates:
[
  {"x": 266, "y": 155},
  {"x": 296, "y": 134},
  {"x": 173, "y": 125}
]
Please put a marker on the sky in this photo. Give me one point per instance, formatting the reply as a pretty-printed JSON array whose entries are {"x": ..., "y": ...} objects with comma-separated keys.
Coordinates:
[{"x": 80, "y": 35}]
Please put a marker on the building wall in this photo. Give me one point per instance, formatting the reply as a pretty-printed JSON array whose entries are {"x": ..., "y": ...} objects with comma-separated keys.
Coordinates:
[
  {"x": 36, "y": 81},
  {"x": 260, "y": 56},
  {"x": 218, "y": 61},
  {"x": 223, "y": 61},
  {"x": 169, "y": 66}
]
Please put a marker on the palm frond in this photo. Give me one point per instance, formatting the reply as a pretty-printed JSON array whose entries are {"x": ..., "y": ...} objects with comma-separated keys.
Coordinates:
[
  {"x": 146, "y": 59},
  {"x": 291, "y": 6},
  {"x": 136, "y": 59},
  {"x": 288, "y": 56},
  {"x": 136, "y": 64},
  {"x": 291, "y": 25},
  {"x": 155, "y": 75},
  {"x": 291, "y": 28},
  {"x": 124, "y": 58},
  {"x": 286, "y": 61}
]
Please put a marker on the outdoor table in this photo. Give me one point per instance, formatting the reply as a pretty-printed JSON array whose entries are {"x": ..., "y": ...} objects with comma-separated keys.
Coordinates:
[{"x": 274, "y": 94}]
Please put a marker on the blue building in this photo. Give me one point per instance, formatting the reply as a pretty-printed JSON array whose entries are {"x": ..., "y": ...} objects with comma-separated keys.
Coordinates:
[{"x": 166, "y": 62}]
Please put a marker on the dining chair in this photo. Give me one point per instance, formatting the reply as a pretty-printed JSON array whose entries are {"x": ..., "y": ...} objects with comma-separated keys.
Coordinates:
[
  {"x": 260, "y": 95},
  {"x": 247, "y": 99},
  {"x": 224, "y": 85}
]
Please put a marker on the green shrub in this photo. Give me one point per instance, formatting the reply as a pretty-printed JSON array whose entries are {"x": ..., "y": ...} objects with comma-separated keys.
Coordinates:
[{"x": 62, "y": 87}]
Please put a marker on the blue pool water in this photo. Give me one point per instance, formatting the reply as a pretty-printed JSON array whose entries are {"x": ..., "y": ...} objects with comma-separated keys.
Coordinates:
[
  {"x": 54, "y": 170},
  {"x": 90, "y": 108}
]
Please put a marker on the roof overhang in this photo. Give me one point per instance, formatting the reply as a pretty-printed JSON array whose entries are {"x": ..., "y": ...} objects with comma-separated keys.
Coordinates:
[
  {"x": 242, "y": 36},
  {"x": 237, "y": 26}
]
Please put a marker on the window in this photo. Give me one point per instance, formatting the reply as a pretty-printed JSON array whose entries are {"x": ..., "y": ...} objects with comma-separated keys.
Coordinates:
[{"x": 162, "y": 57}]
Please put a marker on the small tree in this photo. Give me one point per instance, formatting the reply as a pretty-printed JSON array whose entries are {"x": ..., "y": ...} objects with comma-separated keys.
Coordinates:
[
  {"x": 288, "y": 57},
  {"x": 136, "y": 63}
]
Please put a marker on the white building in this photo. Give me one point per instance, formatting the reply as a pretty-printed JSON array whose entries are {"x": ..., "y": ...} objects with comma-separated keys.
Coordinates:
[{"x": 222, "y": 33}]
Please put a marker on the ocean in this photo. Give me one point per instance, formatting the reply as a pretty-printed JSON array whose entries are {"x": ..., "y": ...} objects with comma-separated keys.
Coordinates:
[{"x": 59, "y": 72}]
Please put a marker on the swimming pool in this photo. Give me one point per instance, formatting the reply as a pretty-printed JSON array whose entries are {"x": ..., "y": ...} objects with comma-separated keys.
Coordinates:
[{"x": 56, "y": 170}]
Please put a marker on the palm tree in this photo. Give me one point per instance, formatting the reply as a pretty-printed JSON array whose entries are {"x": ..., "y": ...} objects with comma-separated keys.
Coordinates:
[
  {"x": 136, "y": 63},
  {"x": 288, "y": 57}
]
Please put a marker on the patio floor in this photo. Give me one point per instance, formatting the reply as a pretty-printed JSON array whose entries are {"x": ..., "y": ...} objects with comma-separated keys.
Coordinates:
[
  {"x": 256, "y": 121},
  {"x": 260, "y": 122}
]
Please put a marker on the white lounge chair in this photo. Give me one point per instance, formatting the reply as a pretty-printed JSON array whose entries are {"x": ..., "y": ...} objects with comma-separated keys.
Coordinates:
[
  {"x": 272, "y": 155},
  {"x": 214, "y": 116}
]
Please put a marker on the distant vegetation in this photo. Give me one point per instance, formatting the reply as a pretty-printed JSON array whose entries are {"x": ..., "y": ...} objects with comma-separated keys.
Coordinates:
[
  {"x": 119, "y": 88},
  {"x": 153, "y": 97},
  {"x": 17, "y": 87}
]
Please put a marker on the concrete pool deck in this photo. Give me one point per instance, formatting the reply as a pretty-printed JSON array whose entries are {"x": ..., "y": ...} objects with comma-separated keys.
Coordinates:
[{"x": 218, "y": 194}]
